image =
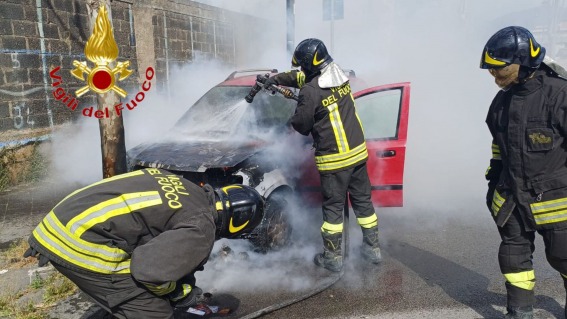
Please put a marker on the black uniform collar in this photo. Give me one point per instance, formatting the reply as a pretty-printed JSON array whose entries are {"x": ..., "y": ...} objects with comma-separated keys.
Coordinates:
[
  {"x": 531, "y": 85},
  {"x": 310, "y": 77}
]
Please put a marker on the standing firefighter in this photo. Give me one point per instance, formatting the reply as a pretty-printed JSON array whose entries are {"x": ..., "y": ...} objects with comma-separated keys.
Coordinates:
[
  {"x": 528, "y": 171},
  {"x": 133, "y": 242},
  {"x": 326, "y": 110}
]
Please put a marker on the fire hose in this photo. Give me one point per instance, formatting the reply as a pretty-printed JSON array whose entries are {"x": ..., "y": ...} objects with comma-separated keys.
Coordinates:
[
  {"x": 320, "y": 288},
  {"x": 260, "y": 79}
]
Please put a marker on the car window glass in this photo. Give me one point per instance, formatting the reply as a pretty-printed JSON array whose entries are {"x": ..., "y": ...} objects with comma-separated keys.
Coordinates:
[
  {"x": 223, "y": 113},
  {"x": 379, "y": 113},
  {"x": 270, "y": 111},
  {"x": 215, "y": 114}
]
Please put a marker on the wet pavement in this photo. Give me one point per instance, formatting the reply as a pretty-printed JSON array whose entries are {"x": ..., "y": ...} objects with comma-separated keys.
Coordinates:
[{"x": 436, "y": 265}]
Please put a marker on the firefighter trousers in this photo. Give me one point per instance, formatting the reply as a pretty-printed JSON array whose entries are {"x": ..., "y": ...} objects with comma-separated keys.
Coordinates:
[
  {"x": 120, "y": 295},
  {"x": 515, "y": 258},
  {"x": 335, "y": 186}
]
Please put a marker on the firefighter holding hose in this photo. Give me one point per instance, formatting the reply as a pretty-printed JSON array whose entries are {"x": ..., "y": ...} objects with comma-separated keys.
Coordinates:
[{"x": 326, "y": 110}]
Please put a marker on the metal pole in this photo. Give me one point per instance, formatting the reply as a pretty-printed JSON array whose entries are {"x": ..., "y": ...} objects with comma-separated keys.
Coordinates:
[
  {"x": 290, "y": 9},
  {"x": 166, "y": 55},
  {"x": 332, "y": 24},
  {"x": 192, "y": 35},
  {"x": 215, "y": 38},
  {"x": 43, "y": 61}
]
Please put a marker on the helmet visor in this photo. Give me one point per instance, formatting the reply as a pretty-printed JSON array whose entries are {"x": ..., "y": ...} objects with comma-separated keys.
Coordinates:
[
  {"x": 490, "y": 60},
  {"x": 294, "y": 62}
]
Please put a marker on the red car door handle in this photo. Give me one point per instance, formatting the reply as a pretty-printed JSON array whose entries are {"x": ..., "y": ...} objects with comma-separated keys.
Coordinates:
[{"x": 387, "y": 153}]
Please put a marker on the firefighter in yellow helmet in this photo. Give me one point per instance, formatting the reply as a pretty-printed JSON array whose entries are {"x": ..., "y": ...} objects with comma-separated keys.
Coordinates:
[
  {"x": 326, "y": 110},
  {"x": 527, "y": 175},
  {"x": 133, "y": 242}
]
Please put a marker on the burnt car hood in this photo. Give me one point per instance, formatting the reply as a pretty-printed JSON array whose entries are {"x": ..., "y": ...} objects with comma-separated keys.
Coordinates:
[{"x": 193, "y": 156}]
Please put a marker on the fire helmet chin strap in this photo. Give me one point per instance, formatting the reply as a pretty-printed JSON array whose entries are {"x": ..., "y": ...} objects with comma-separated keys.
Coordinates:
[{"x": 525, "y": 73}]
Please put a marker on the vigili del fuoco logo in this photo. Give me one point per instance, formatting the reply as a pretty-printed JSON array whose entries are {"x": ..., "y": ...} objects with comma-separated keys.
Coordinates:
[{"x": 101, "y": 49}]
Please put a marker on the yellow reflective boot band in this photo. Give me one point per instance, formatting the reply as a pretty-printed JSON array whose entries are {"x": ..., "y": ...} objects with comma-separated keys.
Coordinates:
[
  {"x": 332, "y": 228},
  {"x": 524, "y": 279},
  {"x": 368, "y": 222}
]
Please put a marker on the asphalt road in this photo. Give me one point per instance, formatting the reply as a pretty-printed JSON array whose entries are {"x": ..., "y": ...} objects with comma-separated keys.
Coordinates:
[{"x": 437, "y": 264}]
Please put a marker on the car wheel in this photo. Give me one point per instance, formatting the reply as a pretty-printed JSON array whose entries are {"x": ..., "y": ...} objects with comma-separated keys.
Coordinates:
[{"x": 274, "y": 231}]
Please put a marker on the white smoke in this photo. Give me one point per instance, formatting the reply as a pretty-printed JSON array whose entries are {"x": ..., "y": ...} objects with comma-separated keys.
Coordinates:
[
  {"x": 435, "y": 45},
  {"x": 75, "y": 154}
]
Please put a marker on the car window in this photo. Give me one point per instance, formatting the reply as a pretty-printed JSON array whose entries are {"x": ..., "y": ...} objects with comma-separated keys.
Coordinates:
[
  {"x": 379, "y": 113},
  {"x": 222, "y": 113},
  {"x": 271, "y": 110}
]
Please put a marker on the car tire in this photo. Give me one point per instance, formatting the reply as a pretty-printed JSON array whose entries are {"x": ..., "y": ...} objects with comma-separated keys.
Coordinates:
[{"x": 274, "y": 232}]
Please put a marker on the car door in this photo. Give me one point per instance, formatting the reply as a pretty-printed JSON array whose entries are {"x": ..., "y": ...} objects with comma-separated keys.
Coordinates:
[{"x": 383, "y": 111}]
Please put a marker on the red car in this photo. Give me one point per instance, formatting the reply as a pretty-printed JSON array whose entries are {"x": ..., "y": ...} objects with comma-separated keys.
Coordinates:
[
  {"x": 223, "y": 140},
  {"x": 383, "y": 111}
]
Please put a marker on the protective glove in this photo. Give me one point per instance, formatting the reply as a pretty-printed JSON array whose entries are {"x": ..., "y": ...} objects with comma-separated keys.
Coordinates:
[
  {"x": 269, "y": 82},
  {"x": 191, "y": 299},
  {"x": 42, "y": 260},
  {"x": 493, "y": 171},
  {"x": 492, "y": 175}
]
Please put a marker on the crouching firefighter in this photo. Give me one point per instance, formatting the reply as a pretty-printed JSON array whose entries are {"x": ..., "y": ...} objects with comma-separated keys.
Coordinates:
[
  {"x": 528, "y": 173},
  {"x": 133, "y": 242},
  {"x": 326, "y": 110}
]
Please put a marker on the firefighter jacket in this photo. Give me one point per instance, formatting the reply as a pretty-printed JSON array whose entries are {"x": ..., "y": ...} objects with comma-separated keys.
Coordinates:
[
  {"x": 150, "y": 224},
  {"x": 528, "y": 124},
  {"x": 330, "y": 116}
]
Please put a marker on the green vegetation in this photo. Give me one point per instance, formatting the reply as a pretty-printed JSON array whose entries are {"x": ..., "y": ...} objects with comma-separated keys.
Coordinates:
[
  {"x": 4, "y": 178},
  {"x": 58, "y": 287},
  {"x": 38, "y": 166},
  {"x": 23, "y": 164},
  {"x": 54, "y": 288}
]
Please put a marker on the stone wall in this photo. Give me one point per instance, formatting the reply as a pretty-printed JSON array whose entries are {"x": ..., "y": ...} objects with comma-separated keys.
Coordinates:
[
  {"x": 40, "y": 40},
  {"x": 38, "y": 36}
]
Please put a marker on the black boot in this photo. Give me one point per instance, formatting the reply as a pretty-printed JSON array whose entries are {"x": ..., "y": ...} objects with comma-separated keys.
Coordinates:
[
  {"x": 332, "y": 257},
  {"x": 370, "y": 249},
  {"x": 520, "y": 313}
]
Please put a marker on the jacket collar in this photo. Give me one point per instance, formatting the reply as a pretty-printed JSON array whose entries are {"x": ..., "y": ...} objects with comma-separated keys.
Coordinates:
[{"x": 533, "y": 84}]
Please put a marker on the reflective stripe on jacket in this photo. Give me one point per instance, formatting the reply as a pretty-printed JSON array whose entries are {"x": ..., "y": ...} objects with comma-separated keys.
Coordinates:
[
  {"x": 150, "y": 223},
  {"x": 528, "y": 125},
  {"x": 329, "y": 114}
]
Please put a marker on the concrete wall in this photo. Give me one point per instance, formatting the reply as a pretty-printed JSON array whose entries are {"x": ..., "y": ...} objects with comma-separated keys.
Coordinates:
[{"x": 37, "y": 36}]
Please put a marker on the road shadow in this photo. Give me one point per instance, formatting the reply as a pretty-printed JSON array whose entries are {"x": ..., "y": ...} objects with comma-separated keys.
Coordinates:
[{"x": 460, "y": 283}]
